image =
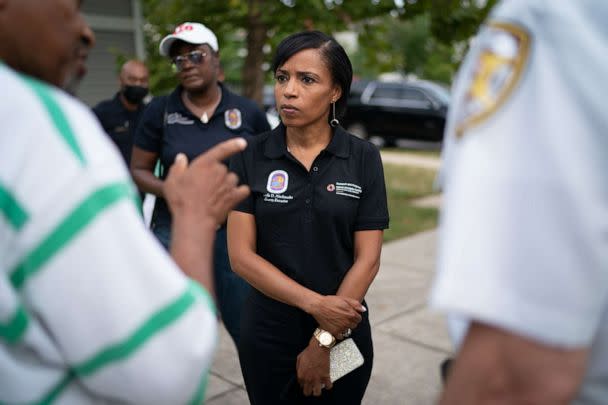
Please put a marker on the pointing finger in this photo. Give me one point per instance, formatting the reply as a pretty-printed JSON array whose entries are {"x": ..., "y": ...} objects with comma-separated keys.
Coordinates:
[
  {"x": 179, "y": 164},
  {"x": 224, "y": 150}
]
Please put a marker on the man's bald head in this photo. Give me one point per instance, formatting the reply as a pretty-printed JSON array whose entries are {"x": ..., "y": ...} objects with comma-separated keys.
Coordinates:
[
  {"x": 134, "y": 73},
  {"x": 133, "y": 83}
]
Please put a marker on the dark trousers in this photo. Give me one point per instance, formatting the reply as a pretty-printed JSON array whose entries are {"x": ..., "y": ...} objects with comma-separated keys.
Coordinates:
[
  {"x": 272, "y": 336},
  {"x": 230, "y": 289}
]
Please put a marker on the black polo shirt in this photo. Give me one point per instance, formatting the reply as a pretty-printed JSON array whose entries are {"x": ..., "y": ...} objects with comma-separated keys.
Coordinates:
[
  {"x": 306, "y": 221},
  {"x": 168, "y": 128},
  {"x": 119, "y": 123}
]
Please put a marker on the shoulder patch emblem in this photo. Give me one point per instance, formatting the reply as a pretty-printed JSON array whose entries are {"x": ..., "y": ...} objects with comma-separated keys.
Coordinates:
[
  {"x": 277, "y": 182},
  {"x": 501, "y": 57},
  {"x": 232, "y": 118}
]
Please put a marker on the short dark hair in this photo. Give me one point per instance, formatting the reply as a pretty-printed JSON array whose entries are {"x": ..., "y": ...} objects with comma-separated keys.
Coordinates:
[{"x": 332, "y": 53}]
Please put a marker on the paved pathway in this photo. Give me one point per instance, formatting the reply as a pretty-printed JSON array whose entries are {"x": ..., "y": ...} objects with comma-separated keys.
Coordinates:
[{"x": 409, "y": 340}]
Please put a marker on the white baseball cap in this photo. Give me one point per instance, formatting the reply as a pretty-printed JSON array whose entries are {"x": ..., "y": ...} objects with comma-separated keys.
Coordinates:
[{"x": 190, "y": 32}]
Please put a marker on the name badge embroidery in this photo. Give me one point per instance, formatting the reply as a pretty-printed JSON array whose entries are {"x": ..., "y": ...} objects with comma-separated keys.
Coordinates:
[
  {"x": 122, "y": 128},
  {"x": 345, "y": 189},
  {"x": 232, "y": 118},
  {"x": 177, "y": 118}
]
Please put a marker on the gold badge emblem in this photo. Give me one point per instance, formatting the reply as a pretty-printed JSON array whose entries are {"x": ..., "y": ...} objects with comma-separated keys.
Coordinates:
[{"x": 502, "y": 54}]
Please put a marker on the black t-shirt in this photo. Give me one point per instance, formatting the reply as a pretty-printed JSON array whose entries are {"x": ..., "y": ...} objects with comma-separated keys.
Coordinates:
[
  {"x": 119, "y": 123},
  {"x": 168, "y": 128},
  {"x": 306, "y": 221}
]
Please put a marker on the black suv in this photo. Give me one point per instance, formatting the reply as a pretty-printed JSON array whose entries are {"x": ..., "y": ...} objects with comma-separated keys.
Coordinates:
[{"x": 405, "y": 113}]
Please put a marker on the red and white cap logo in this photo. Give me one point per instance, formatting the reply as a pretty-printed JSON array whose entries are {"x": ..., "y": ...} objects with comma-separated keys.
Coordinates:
[{"x": 190, "y": 32}]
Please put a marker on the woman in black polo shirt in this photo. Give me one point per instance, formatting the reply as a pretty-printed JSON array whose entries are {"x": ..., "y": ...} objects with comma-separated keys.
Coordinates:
[
  {"x": 200, "y": 113},
  {"x": 309, "y": 236}
]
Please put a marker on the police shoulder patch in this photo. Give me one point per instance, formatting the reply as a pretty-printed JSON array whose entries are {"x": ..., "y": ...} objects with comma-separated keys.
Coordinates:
[{"x": 498, "y": 65}]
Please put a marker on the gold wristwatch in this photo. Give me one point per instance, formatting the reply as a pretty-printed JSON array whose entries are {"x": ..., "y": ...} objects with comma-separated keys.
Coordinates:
[{"x": 324, "y": 338}]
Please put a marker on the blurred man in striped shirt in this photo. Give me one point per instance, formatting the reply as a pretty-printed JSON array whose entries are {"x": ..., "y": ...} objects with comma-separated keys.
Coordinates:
[{"x": 92, "y": 310}]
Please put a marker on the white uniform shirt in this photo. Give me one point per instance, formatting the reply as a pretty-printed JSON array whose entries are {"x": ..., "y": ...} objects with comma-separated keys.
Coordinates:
[
  {"x": 524, "y": 231},
  {"x": 92, "y": 310}
]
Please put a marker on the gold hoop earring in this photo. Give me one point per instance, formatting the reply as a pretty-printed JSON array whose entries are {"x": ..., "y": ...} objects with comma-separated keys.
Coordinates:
[{"x": 334, "y": 121}]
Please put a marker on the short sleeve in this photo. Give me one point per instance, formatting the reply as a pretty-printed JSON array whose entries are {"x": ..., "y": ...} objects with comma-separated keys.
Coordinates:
[
  {"x": 100, "y": 291},
  {"x": 237, "y": 165},
  {"x": 373, "y": 209},
  {"x": 149, "y": 133},
  {"x": 523, "y": 232}
]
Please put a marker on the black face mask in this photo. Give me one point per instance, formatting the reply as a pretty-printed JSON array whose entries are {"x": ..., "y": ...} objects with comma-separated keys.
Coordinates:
[{"x": 134, "y": 94}]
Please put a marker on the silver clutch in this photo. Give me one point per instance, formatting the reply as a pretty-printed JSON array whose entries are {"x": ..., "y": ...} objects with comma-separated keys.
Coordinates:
[{"x": 344, "y": 358}]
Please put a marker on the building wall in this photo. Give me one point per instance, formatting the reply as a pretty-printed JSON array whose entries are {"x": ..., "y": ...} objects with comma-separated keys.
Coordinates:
[{"x": 117, "y": 25}]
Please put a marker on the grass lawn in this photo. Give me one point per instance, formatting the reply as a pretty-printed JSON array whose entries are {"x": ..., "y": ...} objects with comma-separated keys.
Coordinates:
[
  {"x": 433, "y": 153},
  {"x": 404, "y": 184}
]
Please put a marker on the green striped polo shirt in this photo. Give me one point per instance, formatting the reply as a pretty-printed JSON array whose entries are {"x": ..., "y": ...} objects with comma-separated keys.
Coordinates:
[{"x": 92, "y": 310}]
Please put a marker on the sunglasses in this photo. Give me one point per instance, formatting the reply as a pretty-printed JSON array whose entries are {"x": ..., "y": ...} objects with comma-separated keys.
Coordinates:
[{"x": 194, "y": 57}]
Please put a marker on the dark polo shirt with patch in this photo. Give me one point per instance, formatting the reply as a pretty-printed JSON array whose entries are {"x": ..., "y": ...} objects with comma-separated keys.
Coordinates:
[
  {"x": 119, "y": 123},
  {"x": 306, "y": 221},
  {"x": 168, "y": 128}
]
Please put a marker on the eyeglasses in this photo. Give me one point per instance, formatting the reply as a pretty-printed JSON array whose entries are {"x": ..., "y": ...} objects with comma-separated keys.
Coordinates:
[{"x": 194, "y": 57}]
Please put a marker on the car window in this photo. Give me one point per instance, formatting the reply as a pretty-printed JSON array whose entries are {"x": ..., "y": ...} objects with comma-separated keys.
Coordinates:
[
  {"x": 412, "y": 94},
  {"x": 386, "y": 92},
  {"x": 439, "y": 91}
]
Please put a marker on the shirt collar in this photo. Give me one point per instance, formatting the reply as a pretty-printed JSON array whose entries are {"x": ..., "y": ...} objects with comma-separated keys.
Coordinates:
[
  {"x": 339, "y": 144},
  {"x": 276, "y": 147},
  {"x": 225, "y": 100},
  {"x": 175, "y": 99}
]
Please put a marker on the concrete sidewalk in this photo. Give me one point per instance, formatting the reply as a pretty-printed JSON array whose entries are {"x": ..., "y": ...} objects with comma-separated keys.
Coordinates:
[{"x": 409, "y": 340}]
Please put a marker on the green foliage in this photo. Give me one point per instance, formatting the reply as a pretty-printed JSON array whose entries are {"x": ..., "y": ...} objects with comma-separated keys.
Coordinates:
[
  {"x": 413, "y": 36},
  {"x": 457, "y": 20},
  {"x": 409, "y": 47},
  {"x": 230, "y": 20}
]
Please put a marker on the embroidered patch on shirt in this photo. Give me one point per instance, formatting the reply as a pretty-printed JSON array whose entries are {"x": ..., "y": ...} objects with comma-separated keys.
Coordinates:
[
  {"x": 177, "y": 118},
  {"x": 277, "y": 182},
  {"x": 232, "y": 118},
  {"x": 122, "y": 128},
  {"x": 502, "y": 54},
  {"x": 347, "y": 189}
]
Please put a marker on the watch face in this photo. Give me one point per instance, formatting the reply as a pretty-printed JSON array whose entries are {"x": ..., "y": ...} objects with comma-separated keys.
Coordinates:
[{"x": 325, "y": 338}]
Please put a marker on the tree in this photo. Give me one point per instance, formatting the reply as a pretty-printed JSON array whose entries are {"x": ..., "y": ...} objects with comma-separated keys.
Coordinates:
[
  {"x": 249, "y": 30},
  {"x": 408, "y": 47}
]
